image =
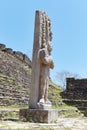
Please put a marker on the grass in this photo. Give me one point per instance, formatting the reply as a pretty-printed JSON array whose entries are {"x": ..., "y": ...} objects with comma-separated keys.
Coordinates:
[
  {"x": 14, "y": 107},
  {"x": 54, "y": 97},
  {"x": 17, "y": 68},
  {"x": 64, "y": 106},
  {"x": 67, "y": 128}
]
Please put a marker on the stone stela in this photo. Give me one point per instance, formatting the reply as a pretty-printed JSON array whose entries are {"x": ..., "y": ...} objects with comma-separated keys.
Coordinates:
[
  {"x": 40, "y": 108},
  {"x": 41, "y": 63}
]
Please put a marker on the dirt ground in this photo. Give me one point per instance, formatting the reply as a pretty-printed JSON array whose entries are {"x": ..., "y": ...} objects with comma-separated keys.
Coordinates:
[{"x": 61, "y": 124}]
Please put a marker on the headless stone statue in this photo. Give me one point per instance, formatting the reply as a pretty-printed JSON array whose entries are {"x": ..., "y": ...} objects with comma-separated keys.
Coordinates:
[{"x": 41, "y": 63}]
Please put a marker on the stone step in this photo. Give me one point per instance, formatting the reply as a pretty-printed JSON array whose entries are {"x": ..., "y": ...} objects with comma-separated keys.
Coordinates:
[
  {"x": 77, "y": 103},
  {"x": 81, "y": 105},
  {"x": 74, "y": 95},
  {"x": 5, "y": 91},
  {"x": 13, "y": 102},
  {"x": 82, "y": 108},
  {"x": 14, "y": 98},
  {"x": 14, "y": 94}
]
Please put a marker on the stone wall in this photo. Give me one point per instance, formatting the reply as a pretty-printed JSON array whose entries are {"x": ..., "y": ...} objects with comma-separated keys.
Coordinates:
[
  {"x": 15, "y": 77},
  {"x": 75, "y": 89},
  {"x": 76, "y": 94},
  {"x": 18, "y": 54},
  {"x": 76, "y": 84}
]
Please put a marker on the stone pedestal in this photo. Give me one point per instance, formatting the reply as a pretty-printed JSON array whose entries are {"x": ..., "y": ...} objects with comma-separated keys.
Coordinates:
[{"x": 39, "y": 115}]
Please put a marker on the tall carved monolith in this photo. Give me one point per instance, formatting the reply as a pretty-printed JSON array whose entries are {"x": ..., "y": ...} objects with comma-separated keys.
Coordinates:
[
  {"x": 41, "y": 62},
  {"x": 40, "y": 108}
]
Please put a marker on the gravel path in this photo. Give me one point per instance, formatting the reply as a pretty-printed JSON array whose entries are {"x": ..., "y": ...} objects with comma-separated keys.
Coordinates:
[{"x": 62, "y": 124}]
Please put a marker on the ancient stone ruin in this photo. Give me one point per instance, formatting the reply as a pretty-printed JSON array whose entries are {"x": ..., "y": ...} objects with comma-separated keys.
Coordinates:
[
  {"x": 17, "y": 54},
  {"x": 39, "y": 105},
  {"x": 15, "y": 77},
  {"x": 76, "y": 88},
  {"x": 76, "y": 94},
  {"x": 42, "y": 62},
  {"x": 74, "y": 84}
]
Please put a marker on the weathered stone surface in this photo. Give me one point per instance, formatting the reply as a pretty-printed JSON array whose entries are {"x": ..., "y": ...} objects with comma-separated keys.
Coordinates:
[
  {"x": 34, "y": 93},
  {"x": 18, "y": 54},
  {"x": 27, "y": 60},
  {"x": 40, "y": 107},
  {"x": 74, "y": 84},
  {"x": 42, "y": 61},
  {"x": 44, "y": 106},
  {"x": 76, "y": 94},
  {"x": 76, "y": 89},
  {"x": 39, "y": 115},
  {"x": 8, "y": 50},
  {"x": 15, "y": 80},
  {"x": 2, "y": 46}
]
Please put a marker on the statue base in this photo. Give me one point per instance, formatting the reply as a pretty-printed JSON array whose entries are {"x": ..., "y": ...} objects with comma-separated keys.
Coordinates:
[
  {"x": 39, "y": 115},
  {"x": 44, "y": 106}
]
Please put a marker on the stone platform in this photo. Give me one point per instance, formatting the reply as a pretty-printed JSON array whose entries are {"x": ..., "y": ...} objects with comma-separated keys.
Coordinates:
[{"x": 39, "y": 115}]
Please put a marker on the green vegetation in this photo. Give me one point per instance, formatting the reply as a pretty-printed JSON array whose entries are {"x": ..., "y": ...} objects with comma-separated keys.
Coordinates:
[
  {"x": 14, "y": 84},
  {"x": 65, "y": 110},
  {"x": 55, "y": 96}
]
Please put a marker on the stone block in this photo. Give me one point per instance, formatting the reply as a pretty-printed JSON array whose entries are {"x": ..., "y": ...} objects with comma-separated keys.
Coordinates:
[
  {"x": 9, "y": 50},
  {"x": 2, "y": 46},
  {"x": 39, "y": 115},
  {"x": 27, "y": 60},
  {"x": 19, "y": 55}
]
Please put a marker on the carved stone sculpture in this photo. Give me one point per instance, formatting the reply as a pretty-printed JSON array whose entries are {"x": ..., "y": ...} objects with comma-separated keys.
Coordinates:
[
  {"x": 46, "y": 62},
  {"x": 42, "y": 62},
  {"x": 39, "y": 106}
]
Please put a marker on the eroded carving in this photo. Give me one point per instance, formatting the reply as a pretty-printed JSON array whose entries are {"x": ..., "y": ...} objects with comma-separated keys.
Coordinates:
[{"x": 42, "y": 60}]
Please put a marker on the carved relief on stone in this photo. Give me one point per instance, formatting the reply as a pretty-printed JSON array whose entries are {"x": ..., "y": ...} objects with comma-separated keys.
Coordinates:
[
  {"x": 41, "y": 62},
  {"x": 45, "y": 60}
]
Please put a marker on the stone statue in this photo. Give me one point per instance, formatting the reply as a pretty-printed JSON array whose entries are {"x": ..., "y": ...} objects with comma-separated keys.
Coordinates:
[
  {"x": 40, "y": 108},
  {"x": 42, "y": 62},
  {"x": 46, "y": 62}
]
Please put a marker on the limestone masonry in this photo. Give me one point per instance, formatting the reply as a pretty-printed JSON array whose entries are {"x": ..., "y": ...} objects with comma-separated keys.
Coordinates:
[
  {"x": 18, "y": 54},
  {"x": 15, "y": 77},
  {"x": 76, "y": 84},
  {"x": 76, "y": 89}
]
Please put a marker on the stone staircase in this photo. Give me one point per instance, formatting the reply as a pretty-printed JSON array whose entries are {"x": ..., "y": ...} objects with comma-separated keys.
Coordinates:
[
  {"x": 13, "y": 97},
  {"x": 76, "y": 98},
  {"x": 76, "y": 94},
  {"x": 15, "y": 80}
]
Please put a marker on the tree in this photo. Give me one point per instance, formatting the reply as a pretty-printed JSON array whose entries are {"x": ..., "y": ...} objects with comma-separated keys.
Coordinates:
[{"x": 61, "y": 77}]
